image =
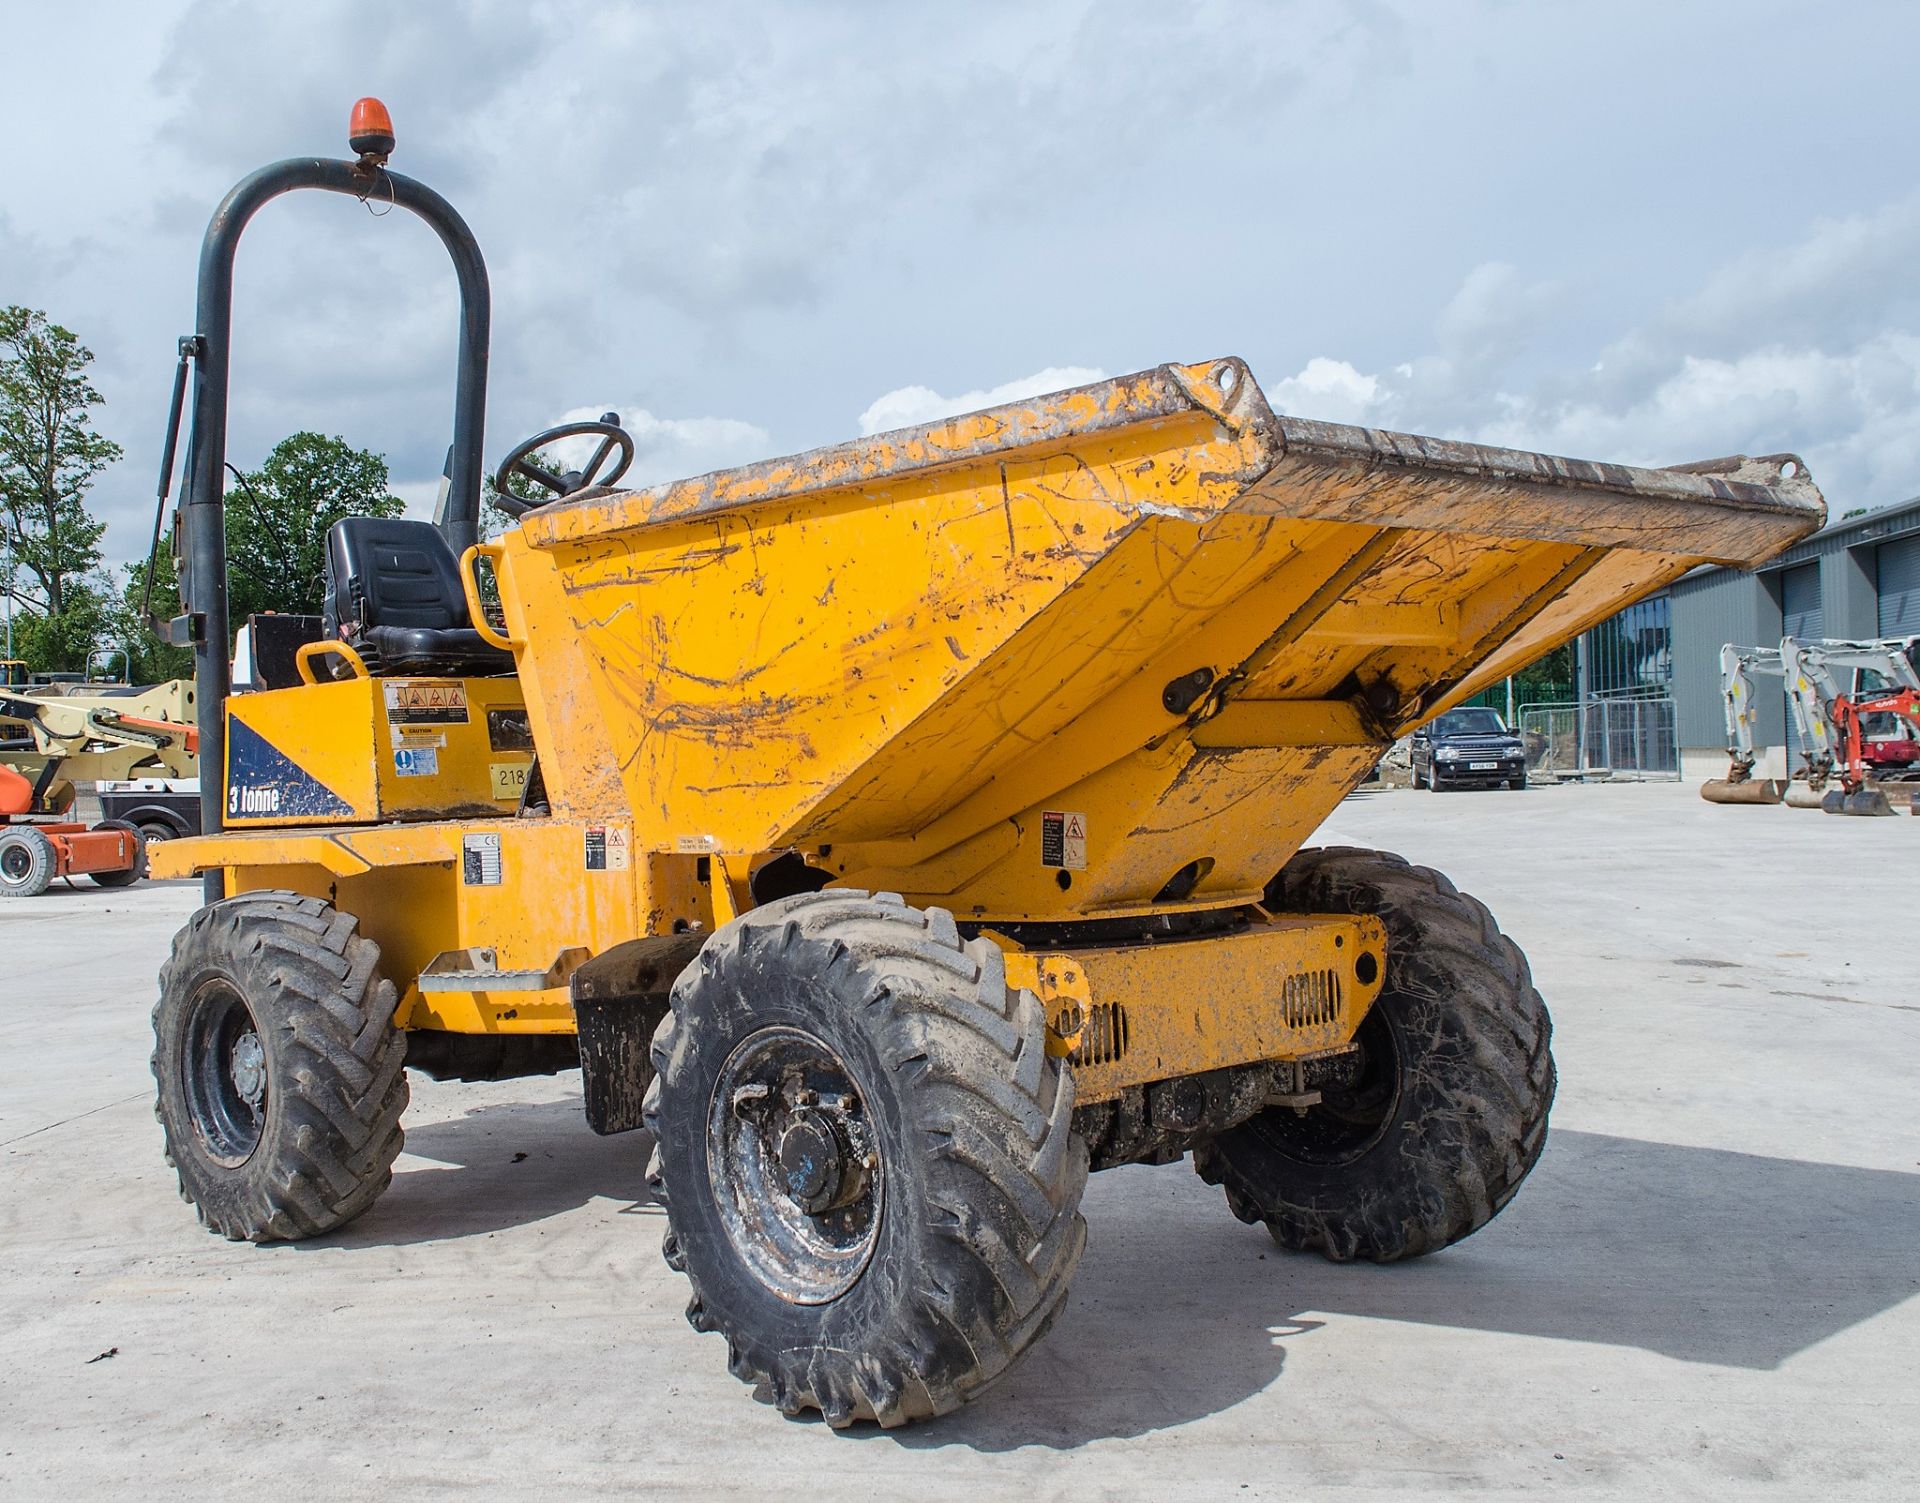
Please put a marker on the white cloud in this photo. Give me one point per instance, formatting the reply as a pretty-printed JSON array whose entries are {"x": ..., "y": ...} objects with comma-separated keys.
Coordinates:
[
  {"x": 908, "y": 405},
  {"x": 1748, "y": 363},
  {"x": 1330, "y": 390},
  {"x": 748, "y": 210},
  {"x": 669, "y": 448}
]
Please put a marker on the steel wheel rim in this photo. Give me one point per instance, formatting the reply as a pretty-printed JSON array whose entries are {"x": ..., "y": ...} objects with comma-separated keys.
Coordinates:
[
  {"x": 224, "y": 1074},
  {"x": 787, "y": 1126},
  {"x": 16, "y": 863}
]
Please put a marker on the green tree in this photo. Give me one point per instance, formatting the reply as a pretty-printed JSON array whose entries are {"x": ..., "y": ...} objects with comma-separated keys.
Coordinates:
[
  {"x": 494, "y": 519},
  {"x": 50, "y": 456},
  {"x": 278, "y": 517},
  {"x": 1549, "y": 677},
  {"x": 64, "y": 641},
  {"x": 150, "y": 660}
]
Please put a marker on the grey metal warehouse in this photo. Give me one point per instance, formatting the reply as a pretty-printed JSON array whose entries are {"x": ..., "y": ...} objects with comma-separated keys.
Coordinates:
[
  {"x": 1857, "y": 578},
  {"x": 1646, "y": 701}
]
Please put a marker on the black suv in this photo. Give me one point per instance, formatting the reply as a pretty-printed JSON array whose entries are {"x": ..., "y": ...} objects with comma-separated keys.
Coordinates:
[{"x": 1468, "y": 748}]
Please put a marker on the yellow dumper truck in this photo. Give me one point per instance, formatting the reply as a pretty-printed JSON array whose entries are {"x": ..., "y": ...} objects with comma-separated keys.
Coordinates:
[{"x": 895, "y": 832}]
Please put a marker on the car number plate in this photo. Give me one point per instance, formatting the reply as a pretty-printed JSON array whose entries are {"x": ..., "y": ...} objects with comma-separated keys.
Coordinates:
[{"x": 1483, "y": 767}]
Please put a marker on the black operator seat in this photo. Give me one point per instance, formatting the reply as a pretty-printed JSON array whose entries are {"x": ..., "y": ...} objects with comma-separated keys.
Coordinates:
[{"x": 394, "y": 596}]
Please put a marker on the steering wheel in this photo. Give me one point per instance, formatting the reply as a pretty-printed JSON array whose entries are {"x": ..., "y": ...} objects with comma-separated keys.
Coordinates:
[{"x": 611, "y": 436}]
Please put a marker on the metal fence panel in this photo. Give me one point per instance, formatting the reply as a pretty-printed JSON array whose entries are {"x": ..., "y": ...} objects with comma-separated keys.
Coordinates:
[{"x": 1624, "y": 737}]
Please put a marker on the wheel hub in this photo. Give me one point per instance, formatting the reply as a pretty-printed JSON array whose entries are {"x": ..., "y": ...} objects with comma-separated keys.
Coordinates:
[
  {"x": 823, "y": 1171},
  {"x": 791, "y": 1159},
  {"x": 248, "y": 1067}
]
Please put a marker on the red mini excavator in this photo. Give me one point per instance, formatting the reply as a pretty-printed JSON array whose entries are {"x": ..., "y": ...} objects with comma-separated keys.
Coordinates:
[{"x": 1860, "y": 755}]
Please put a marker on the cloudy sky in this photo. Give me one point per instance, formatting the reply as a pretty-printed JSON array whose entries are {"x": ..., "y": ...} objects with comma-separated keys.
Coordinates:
[{"x": 1649, "y": 232}]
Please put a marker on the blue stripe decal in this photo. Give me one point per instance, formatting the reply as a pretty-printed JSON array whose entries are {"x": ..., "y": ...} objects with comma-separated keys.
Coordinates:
[{"x": 264, "y": 783}]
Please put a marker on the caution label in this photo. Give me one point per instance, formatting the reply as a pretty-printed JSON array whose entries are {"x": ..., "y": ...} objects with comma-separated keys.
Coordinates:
[
  {"x": 1063, "y": 840},
  {"x": 609, "y": 848},
  {"x": 426, "y": 702}
]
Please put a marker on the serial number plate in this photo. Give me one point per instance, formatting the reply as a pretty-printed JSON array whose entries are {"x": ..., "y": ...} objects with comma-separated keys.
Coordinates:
[{"x": 509, "y": 780}]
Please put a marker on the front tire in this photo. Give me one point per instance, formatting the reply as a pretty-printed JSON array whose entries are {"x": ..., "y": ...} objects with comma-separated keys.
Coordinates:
[
  {"x": 866, "y": 1155},
  {"x": 28, "y": 862},
  {"x": 1448, "y": 1110},
  {"x": 278, "y": 1067}
]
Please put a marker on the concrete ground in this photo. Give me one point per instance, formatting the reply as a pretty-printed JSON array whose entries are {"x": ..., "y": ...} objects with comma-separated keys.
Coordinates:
[{"x": 1705, "y": 1290}]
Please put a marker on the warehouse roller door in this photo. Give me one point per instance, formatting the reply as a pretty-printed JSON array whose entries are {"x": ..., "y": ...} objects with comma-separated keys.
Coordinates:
[
  {"x": 1800, "y": 613},
  {"x": 1899, "y": 571}
]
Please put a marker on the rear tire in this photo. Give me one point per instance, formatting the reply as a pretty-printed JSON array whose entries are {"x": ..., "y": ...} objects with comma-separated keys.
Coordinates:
[
  {"x": 1449, "y": 1111},
  {"x": 279, "y": 1070},
  {"x": 28, "y": 862},
  {"x": 133, "y": 873},
  {"x": 918, "y": 1091}
]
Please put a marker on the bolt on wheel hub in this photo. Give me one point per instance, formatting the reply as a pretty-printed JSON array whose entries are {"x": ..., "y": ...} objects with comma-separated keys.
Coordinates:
[
  {"x": 792, "y": 1164},
  {"x": 248, "y": 1067},
  {"x": 823, "y": 1171}
]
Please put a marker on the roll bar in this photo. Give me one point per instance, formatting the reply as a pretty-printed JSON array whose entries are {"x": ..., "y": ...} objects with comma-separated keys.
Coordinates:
[{"x": 202, "y": 529}]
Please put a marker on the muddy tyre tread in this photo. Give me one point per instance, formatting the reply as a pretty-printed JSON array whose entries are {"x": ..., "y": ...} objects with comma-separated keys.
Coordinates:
[
  {"x": 988, "y": 1116},
  {"x": 334, "y": 1129},
  {"x": 1474, "y": 1122}
]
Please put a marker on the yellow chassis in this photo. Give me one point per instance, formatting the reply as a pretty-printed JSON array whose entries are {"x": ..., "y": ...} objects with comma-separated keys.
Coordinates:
[
  {"x": 1111, "y": 653},
  {"x": 1125, "y": 1014}
]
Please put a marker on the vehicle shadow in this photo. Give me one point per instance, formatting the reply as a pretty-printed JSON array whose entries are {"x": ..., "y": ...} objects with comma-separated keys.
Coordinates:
[
  {"x": 1179, "y": 1312},
  {"x": 1698, "y": 1254},
  {"x": 497, "y": 1166}
]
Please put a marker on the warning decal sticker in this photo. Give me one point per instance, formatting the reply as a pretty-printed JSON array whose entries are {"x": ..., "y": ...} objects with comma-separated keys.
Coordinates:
[
  {"x": 1063, "y": 840},
  {"x": 609, "y": 848},
  {"x": 426, "y": 702}
]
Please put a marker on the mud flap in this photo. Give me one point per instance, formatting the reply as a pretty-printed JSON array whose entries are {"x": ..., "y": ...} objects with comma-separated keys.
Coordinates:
[{"x": 619, "y": 998}]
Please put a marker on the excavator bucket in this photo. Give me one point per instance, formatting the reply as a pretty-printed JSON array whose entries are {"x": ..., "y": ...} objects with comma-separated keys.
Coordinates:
[
  {"x": 1152, "y": 599},
  {"x": 1803, "y": 795},
  {"x": 1870, "y": 803},
  {"x": 1744, "y": 790}
]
